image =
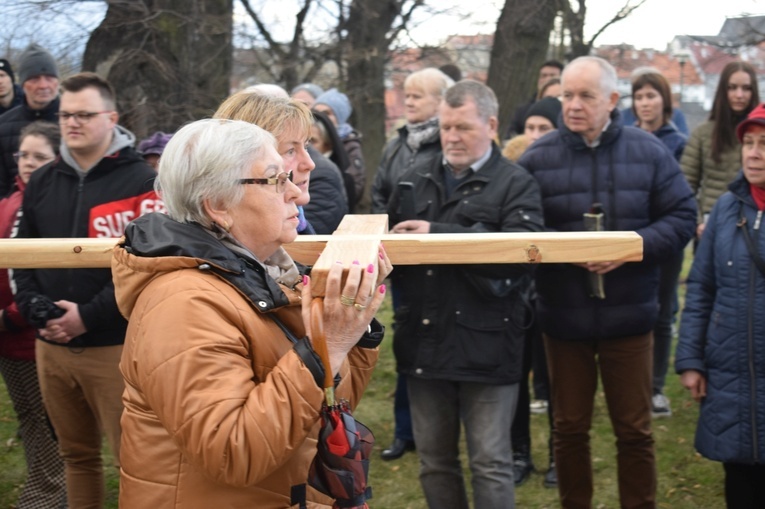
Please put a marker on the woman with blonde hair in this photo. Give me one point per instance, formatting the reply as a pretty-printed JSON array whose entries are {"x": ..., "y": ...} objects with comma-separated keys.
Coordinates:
[
  {"x": 418, "y": 142},
  {"x": 290, "y": 122}
]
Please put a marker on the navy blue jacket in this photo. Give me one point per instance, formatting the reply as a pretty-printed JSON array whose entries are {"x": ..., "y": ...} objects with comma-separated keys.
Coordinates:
[
  {"x": 722, "y": 333},
  {"x": 18, "y": 98},
  {"x": 672, "y": 138},
  {"x": 638, "y": 182},
  {"x": 11, "y": 124},
  {"x": 329, "y": 203},
  {"x": 678, "y": 118}
]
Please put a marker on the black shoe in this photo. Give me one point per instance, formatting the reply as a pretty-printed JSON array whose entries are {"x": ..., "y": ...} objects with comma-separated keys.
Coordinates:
[
  {"x": 397, "y": 449},
  {"x": 522, "y": 467},
  {"x": 551, "y": 477}
]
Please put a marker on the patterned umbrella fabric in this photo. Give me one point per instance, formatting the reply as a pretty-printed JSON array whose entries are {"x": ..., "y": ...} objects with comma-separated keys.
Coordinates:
[{"x": 341, "y": 466}]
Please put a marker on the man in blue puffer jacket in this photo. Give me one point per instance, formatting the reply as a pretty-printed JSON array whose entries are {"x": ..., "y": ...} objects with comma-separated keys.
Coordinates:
[{"x": 591, "y": 163}]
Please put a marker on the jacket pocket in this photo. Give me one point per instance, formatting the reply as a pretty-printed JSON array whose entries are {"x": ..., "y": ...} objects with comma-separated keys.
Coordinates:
[{"x": 485, "y": 340}]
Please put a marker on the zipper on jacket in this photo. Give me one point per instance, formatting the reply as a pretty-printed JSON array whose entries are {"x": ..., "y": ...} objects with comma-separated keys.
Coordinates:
[
  {"x": 73, "y": 233},
  {"x": 594, "y": 176},
  {"x": 750, "y": 341},
  {"x": 78, "y": 207}
]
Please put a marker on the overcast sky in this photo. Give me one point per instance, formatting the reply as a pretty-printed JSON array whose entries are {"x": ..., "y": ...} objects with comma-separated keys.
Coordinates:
[{"x": 652, "y": 25}]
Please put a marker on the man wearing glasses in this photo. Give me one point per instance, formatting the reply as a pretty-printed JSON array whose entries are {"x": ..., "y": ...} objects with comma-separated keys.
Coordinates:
[
  {"x": 97, "y": 185},
  {"x": 38, "y": 75}
]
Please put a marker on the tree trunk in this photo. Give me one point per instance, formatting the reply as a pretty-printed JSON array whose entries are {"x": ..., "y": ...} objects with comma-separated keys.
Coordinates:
[
  {"x": 169, "y": 60},
  {"x": 574, "y": 22},
  {"x": 520, "y": 47},
  {"x": 369, "y": 22}
]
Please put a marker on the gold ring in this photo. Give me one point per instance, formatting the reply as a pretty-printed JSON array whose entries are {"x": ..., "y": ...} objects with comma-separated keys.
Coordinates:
[
  {"x": 347, "y": 301},
  {"x": 359, "y": 307}
]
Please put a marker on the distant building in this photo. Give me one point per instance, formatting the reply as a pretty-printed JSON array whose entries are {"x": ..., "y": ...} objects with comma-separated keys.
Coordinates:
[{"x": 691, "y": 63}]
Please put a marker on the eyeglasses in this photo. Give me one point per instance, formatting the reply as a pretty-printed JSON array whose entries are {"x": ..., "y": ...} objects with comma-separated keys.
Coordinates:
[
  {"x": 81, "y": 117},
  {"x": 38, "y": 157},
  {"x": 280, "y": 181}
]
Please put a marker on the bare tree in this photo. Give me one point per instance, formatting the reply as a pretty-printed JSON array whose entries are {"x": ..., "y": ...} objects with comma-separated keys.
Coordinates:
[
  {"x": 573, "y": 21},
  {"x": 522, "y": 43},
  {"x": 354, "y": 37},
  {"x": 299, "y": 59},
  {"x": 170, "y": 60},
  {"x": 520, "y": 46},
  {"x": 370, "y": 33},
  {"x": 60, "y": 26}
]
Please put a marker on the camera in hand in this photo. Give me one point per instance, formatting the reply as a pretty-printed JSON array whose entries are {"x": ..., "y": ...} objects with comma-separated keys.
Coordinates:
[{"x": 41, "y": 310}]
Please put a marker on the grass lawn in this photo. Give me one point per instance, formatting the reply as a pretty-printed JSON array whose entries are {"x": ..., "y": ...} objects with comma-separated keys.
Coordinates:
[{"x": 685, "y": 479}]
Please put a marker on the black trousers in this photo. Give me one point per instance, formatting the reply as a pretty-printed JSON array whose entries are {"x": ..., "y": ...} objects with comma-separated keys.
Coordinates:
[{"x": 744, "y": 486}]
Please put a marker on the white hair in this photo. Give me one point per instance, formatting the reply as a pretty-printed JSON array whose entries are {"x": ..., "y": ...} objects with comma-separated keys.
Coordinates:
[
  {"x": 203, "y": 161},
  {"x": 608, "y": 79},
  {"x": 430, "y": 80}
]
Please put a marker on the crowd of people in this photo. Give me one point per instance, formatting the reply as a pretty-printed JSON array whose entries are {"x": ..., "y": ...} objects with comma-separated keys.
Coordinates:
[{"x": 193, "y": 355}]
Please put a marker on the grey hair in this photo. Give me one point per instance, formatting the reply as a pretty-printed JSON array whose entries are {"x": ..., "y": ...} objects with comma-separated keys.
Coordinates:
[
  {"x": 430, "y": 80},
  {"x": 483, "y": 97},
  {"x": 608, "y": 79},
  {"x": 203, "y": 161}
]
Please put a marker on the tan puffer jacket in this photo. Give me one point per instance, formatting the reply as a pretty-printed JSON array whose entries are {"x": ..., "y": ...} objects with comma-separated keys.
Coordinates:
[
  {"x": 708, "y": 179},
  {"x": 220, "y": 412}
]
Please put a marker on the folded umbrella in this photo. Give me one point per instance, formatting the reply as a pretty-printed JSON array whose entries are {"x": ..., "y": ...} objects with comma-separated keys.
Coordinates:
[{"x": 340, "y": 468}]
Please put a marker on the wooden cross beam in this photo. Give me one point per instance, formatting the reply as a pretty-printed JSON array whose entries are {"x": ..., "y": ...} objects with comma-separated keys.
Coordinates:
[{"x": 402, "y": 249}]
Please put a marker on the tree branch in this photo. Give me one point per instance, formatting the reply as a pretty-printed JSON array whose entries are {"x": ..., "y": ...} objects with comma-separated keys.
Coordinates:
[
  {"x": 272, "y": 44},
  {"x": 625, "y": 11}
]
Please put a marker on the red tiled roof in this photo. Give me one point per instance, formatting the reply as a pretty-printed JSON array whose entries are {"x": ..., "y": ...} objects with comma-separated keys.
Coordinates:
[{"x": 626, "y": 59}]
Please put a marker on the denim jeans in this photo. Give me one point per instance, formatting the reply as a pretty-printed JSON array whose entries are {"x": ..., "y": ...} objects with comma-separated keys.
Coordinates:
[
  {"x": 669, "y": 272},
  {"x": 402, "y": 416},
  {"x": 486, "y": 411},
  {"x": 625, "y": 367}
]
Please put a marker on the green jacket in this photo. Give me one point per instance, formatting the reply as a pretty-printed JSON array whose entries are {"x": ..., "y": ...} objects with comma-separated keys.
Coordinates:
[{"x": 708, "y": 179}]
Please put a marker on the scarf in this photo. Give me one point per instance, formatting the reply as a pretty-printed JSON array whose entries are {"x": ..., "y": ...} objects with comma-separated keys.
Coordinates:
[
  {"x": 417, "y": 134},
  {"x": 758, "y": 193},
  {"x": 279, "y": 265}
]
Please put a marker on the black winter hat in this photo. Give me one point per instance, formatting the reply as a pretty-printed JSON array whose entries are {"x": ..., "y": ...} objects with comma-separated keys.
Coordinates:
[
  {"x": 549, "y": 108},
  {"x": 36, "y": 61},
  {"x": 5, "y": 66}
]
